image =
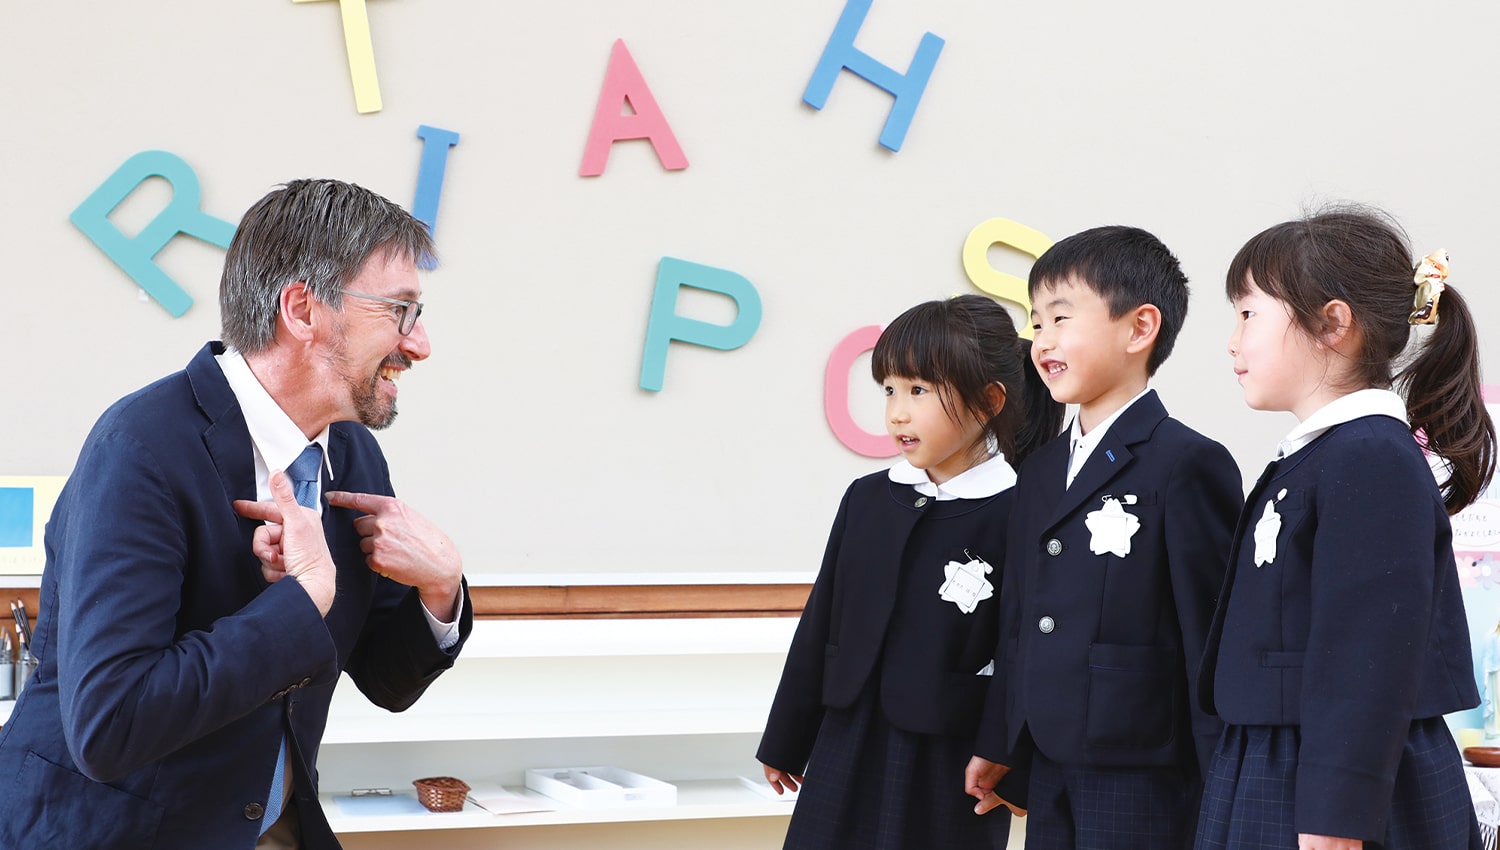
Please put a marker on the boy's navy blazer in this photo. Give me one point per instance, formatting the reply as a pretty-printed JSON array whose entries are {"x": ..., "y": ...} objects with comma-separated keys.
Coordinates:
[
  {"x": 1101, "y": 651},
  {"x": 169, "y": 670},
  {"x": 1355, "y": 629},
  {"x": 928, "y": 653}
]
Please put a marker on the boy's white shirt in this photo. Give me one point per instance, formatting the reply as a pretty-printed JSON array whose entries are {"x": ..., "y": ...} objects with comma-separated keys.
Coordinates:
[
  {"x": 980, "y": 481},
  {"x": 1081, "y": 445},
  {"x": 1355, "y": 405}
]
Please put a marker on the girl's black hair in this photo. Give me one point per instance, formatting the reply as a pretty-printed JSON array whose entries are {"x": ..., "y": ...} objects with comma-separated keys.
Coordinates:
[
  {"x": 1360, "y": 256},
  {"x": 964, "y": 344}
]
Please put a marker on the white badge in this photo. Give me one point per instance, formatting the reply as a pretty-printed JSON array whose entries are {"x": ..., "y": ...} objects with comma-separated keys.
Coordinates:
[
  {"x": 966, "y": 585},
  {"x": 1112, "y": 527},
  {"x": 1267, "y": 529}
]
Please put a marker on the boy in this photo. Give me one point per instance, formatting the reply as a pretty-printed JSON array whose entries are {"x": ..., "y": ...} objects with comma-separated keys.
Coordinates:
[{"x": 1115, "y": 554}]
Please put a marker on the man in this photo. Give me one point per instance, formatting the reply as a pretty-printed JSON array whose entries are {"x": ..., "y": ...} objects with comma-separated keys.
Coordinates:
[{"x": 188, "y": 651}]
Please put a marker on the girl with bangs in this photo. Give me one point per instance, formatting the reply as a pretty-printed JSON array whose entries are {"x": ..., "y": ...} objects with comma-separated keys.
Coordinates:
[
  {"x": 878, "y": 706},
  {"x": 1340, "y": 639}
]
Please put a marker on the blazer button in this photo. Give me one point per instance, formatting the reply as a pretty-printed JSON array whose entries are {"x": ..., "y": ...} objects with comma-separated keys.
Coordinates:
[
  {"x": 921, "y": 500},
  {"x": 1046, "y": 625},
  {"x": 254, "y": 811},
  {"x": 1054, "y": 547}
]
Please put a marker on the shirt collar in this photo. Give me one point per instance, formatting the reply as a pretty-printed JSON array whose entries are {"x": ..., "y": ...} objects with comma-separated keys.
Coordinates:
[
  {"x": 978, "y": 482},
  {"x": 1355, "y": 405},
  {"x": 276, "y": 438},
  {"x": 1083, "y": 444}
]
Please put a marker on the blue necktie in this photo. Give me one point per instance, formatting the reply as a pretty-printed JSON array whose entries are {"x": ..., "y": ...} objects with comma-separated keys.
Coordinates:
[{"x": 306, "y": 472}]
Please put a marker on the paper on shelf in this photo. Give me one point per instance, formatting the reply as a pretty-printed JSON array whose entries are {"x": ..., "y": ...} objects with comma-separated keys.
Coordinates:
[{"x": 499, "y": 801}]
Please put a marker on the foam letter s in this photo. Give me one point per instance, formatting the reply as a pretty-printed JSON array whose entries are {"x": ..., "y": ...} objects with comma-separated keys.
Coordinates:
[{"x": 1002, "y": 231}]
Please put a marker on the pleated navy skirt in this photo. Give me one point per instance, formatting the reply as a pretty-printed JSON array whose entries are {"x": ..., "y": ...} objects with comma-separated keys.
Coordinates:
[
  {"x": 1250, "y": 795},
  {"x": 871, "y": 786}
]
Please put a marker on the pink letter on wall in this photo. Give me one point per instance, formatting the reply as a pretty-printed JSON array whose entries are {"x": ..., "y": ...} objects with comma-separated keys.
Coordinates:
[
  {"x": 623, "y": 84},
  {"x": 836, "y": 395}
]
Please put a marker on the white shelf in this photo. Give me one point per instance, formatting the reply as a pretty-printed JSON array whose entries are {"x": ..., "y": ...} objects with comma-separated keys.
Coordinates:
[
  {"x": 696, "y": 800},
  {"x": 531, "y": 725},
  {"x": 634, "y": 579},
  {"x": 609, "y": 638}
]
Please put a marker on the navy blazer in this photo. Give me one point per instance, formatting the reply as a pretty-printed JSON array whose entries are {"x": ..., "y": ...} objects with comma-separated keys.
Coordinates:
[
  {"x": 1102, "y": 651},
  {"x": 170, "y": 670},
  {"x": 1354, "y": 630},
  {"x": 875, "y": 611}
]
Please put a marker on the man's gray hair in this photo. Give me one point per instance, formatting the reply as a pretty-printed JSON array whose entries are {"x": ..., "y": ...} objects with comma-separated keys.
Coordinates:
[{"x": 319, "y": 232}]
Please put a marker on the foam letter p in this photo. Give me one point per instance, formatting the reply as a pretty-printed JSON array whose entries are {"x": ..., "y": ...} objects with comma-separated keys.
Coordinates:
[{"x": 665, "y": 325}]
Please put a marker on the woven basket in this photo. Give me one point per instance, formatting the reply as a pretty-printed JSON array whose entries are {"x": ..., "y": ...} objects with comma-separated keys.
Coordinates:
[{"x": 442, "y": 793}]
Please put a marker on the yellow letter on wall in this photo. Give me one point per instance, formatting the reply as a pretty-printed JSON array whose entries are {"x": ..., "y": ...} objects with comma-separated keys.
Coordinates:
[
  {"x": 1002, "y": 231},
  {"x": 361, "y": 54}
]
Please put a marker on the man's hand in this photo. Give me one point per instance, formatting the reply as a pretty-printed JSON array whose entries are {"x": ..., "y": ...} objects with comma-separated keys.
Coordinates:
[
  {"x": 980, "y": 779},
  {"x": 294, "y": 545},
  {"x": 404, "y": 546},
  {"x": 781, "y": 780}
]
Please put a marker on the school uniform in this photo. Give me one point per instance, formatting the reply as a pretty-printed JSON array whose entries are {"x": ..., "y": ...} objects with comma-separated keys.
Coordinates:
[
  {"x": 886, "y": 674},
  {"x": 1338, "y": 644},
  {"x": 1110, "y": 587}
]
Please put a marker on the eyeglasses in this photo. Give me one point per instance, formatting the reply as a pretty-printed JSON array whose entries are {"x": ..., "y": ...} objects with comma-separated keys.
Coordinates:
[{"x": 406, "y": 319}]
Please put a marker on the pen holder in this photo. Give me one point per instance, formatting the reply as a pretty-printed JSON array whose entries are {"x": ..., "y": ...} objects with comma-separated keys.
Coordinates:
[
  {"x": 25, "y": 666},
  {"x": 7, "y": 680}
]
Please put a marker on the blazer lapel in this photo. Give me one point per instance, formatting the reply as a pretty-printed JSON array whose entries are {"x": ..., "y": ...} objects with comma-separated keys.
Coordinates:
[
  {"x": 226, "y": 437},
  {"x": 1112, "y": 456}
]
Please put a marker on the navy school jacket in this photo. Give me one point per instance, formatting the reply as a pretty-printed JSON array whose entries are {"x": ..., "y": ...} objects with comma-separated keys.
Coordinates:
[
  {"x": 1354, "y": 629},
  {"x": 875, "y": 612},
  {"x": 1102, "y": 651}
]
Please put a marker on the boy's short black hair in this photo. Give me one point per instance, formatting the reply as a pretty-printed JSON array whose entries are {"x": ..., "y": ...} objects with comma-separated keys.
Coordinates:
[{"x": 1127, "y": 267}]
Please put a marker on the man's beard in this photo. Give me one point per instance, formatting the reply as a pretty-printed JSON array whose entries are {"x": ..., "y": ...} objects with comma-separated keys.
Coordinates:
[
  {"x": 371, "y": 407},
  {"x": 374, "y": 410}
]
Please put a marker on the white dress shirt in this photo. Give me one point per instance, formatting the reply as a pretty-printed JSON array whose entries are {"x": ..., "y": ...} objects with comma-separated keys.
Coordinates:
[
  {"x": 1081, "y": 445},
  {"x": 278, "y": 441}
]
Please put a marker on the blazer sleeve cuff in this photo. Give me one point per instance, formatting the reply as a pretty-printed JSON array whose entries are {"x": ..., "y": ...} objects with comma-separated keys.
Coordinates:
[{"x": 1341, "y": 803}]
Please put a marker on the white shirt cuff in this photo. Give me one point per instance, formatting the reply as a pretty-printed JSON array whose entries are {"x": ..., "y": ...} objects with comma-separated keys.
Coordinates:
[{"x": 446, "y": 634}]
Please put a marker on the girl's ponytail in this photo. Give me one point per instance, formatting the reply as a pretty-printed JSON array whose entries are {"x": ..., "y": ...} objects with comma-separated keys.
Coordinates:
[
  {"x": 1043, "y": 416},
  {"x": 1445, "y": 404}
]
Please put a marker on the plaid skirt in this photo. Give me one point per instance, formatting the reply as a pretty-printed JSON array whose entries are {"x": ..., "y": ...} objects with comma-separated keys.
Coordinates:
[
  {"x": 1250, "y": 795},
  {"x": 871, "y": 786}
]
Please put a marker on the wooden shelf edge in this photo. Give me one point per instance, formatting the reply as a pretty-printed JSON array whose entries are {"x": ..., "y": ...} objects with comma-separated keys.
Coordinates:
[{"x": 607, "y": 601}]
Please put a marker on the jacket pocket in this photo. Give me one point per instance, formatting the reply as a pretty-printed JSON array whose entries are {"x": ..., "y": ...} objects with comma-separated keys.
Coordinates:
[
  {"x": 1132, "y": 695},
  {"x": 64, "y": 808}
]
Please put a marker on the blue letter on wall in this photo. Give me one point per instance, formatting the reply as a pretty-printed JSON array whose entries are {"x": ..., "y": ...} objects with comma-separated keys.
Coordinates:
[
  {"x": 182, "y": 215},
  {"x": 907, "y": 88},
  {"x": 665, "y": 325},
  {"x": 435, "y": 144}
]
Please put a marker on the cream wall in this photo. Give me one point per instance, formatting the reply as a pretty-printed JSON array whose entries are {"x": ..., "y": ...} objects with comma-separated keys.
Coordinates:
[{"x": 526, "y": 434}]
